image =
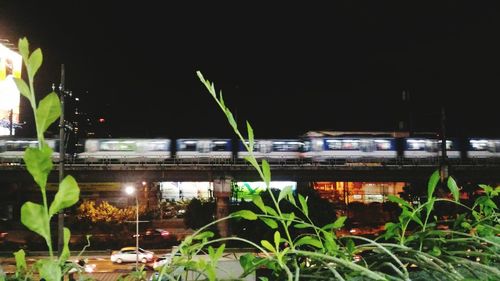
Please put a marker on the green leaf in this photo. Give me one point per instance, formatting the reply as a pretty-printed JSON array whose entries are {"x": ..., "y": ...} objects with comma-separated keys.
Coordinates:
[
  {"x": 308, "y": 240},
  {"x": 416, "y": 218},
  {"x": 271, "y": 211},
  {"x": 267, "y": 245},
  {"x": 266, "y": 170},
  {"x": 220, "y": 251},
  {"x": 23, "y": 88},
  {"x": 24, "y": 48},
  {"x": 257, "y": 200},
  {"x": 486, "y": 188},
  {"x": 431, "y": 185},
  {"x": 250, "y": 135},
  {"x": 221, "y": 100},
  {"x": 34, "y": 62},
  {"x": 303, "y": 204},
  {"x": 339, "y": 222},
  {"x": 330, "y": 243},
  {"x": 65, "y": 251},
  {"x": 452, "y": 185},
  {"x": 277, "y": 239},
  {"x": 39, "y": 163},
  {"x": 49, "y": 109},
  {"x": 398, "y": 200},
  {"x": 289, "y": 218},
  {"x": 301, "y": 225},
  {"x": 252, "y": 161},
  {"x": 49, "y": 270},
  {"x": 430, "y": 205},
  {"x": 435, "y": 251},
  {"x": 284, "y": 192},
  {"x": 246, "y": 214},
  {"x": 20, "y": 257},
  {"x": 203, "y": 235},
  {"x": 231, "y": 120},
  {"x": 66, "y": 196},
  {"x": 270, "y": 222},
  {"x": 350, "y": 246},
  {"x": 34, "y": 218},
  {"x": 246, "y": 262}
]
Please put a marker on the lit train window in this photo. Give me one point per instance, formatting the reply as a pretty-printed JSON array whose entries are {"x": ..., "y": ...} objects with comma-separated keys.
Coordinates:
[
  {"x": 220, "y": 146},
  {"x": 479, "y": 144},
  {"x": 118, "y": 146},
  {"x": 383, "y": 144},
  {"x": 156, "y": 146},
  {"x": 350, "y": 144}
]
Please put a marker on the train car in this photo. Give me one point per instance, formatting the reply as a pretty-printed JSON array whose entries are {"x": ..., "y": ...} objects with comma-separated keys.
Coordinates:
[
  {"x": 203, "y": 149},
  {"x": 483, "y": 148},
  {"x": 420, "y": 148},
  {"x": 349, "y": 148},
  {"x": 12, "y": 150},
  {"x": 125, "y": 150},
  {"x": 273, "y": 149}
]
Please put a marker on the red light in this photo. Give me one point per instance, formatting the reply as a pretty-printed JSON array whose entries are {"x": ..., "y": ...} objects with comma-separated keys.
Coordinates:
[
  {"x": 101, "y": 120},
  {"x": 165, "y": 233}
]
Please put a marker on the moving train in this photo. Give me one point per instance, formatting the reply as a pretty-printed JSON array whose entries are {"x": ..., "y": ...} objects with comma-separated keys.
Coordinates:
[{"x": 313, "y": 149}]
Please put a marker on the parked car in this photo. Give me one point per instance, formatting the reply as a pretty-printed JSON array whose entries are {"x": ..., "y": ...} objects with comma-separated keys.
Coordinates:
[
  {"x": 130, "y": 254},
  {"x": 154, "y": 233}
]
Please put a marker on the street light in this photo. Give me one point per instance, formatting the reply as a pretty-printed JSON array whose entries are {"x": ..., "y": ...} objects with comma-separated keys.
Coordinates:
[{"x": 130, "y": 190}]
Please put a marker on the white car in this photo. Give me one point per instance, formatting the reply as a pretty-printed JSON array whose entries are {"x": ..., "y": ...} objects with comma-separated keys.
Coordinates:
[{"x": 129, "y": 254}]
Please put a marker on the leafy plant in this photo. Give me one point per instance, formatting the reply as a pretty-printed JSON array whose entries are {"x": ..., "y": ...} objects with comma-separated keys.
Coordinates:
[
  {"x": 422, "y": 250},
  {"x": 38, "y": 160}
]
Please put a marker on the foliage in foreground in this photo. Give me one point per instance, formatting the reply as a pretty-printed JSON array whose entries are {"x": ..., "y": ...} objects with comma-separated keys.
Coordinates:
[
  {"x": 419, "y": 246},
  {"x": 38, "y": 160}
]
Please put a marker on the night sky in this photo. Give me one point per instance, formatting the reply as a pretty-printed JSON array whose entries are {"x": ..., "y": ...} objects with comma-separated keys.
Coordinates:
[{"x": 287, "y": 68}]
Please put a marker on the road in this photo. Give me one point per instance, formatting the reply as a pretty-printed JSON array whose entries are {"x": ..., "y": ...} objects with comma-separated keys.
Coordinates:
[{"x": 97, "y": 263}]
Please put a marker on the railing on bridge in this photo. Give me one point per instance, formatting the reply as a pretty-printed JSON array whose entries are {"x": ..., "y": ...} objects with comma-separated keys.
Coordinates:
[{"x": 221, "y": 162}]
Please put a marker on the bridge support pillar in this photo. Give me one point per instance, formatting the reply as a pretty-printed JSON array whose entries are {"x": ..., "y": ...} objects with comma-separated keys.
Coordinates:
[{"x": 222, "y": 191}]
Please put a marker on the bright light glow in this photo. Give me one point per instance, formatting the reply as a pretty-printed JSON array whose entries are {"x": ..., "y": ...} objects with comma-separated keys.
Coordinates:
[
  {"x": 129, "y": 189},
  {"x": 10, "y": 67}
]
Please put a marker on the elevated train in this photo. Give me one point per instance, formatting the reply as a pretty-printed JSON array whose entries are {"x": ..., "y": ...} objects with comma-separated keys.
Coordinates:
[{"x": 309, "y": 149}]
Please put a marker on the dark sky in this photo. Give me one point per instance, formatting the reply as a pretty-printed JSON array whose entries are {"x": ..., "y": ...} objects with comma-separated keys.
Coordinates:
[{"x": 287, "y": 68}]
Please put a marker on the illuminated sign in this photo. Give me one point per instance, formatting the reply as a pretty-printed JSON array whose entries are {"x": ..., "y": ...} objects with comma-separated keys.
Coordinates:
[
  {"x": 10, "y": 67},
  {"x": 171, "y": 190},
  {"x": 246, "y": 190}
]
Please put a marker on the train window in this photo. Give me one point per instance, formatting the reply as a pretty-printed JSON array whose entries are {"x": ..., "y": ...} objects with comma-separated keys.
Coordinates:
[
  {"x": 155, "y": 146},
  {"x": 204, "y": 146},
  {"x": 383, "y": 144},
  {"x": 279, "y": 146},
  {"x": 478, "y": 144},
  {"x": 295, "y": 146},
  {"x": 187, "y": 146},
  {"x": 350, "y": 144},
  {"x": 334, "y": 144},
  {"x": 118, "y": 146},
  {"x": 264, "y": 146},
  {"x": 431, "y": 146},
  {"x": 494, "y": 146},
  {"x": 20, "y": 145},
  {"x": 367, "y": 146},
  {"x": 219, "y": 146}
]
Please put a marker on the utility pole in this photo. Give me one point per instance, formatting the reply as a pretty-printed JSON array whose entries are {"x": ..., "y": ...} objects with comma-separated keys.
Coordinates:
[{"x": 60, "y": 216}]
